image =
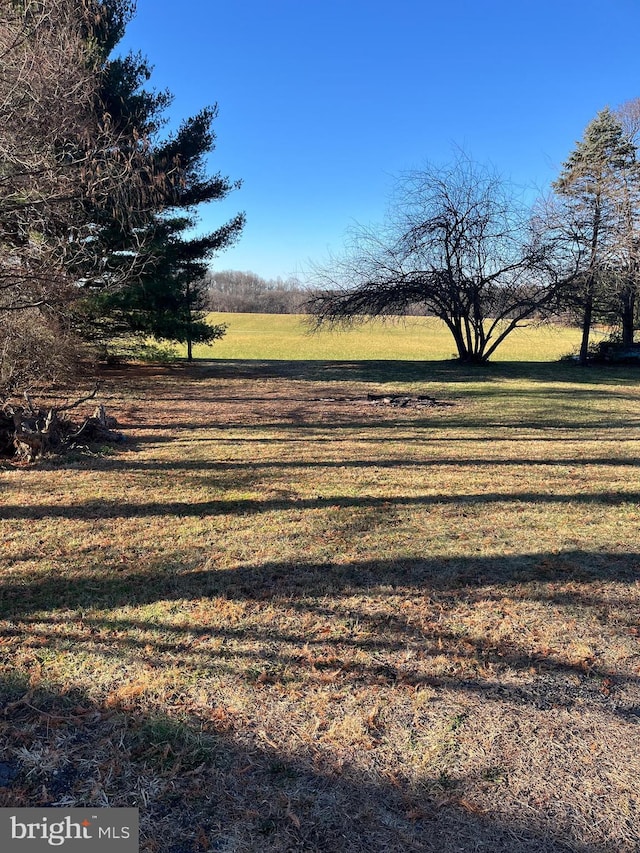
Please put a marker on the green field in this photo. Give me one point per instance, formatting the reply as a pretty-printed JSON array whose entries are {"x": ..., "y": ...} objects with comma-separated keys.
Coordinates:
[{"x": 285, "y": 336}]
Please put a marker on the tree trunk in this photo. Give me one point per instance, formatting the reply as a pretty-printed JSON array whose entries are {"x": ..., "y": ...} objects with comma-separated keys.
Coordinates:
[
  {"x": 628, "y": 315},
  {"x": 591, "y": 283},
  {"x": 586, "y": 322}
]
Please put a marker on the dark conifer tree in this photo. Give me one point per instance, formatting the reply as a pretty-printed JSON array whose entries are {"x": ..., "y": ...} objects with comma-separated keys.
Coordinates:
[
  {"x": 149, "y": 282},
  {"x": 594, "y": 183}
]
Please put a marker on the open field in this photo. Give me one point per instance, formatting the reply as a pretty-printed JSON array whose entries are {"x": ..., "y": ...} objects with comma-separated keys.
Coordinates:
[
  {"x": 283, "y": 617},
  {"x": 286, "y": 336}
]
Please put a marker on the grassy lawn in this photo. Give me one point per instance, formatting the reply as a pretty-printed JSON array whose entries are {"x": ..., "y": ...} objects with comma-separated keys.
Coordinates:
[
  {"x": 288, "y": 337},
  {"x": 284, "y": 617}
]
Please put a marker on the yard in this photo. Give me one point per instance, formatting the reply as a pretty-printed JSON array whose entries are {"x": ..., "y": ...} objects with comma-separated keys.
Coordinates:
[{"x": 288, "y": 615}]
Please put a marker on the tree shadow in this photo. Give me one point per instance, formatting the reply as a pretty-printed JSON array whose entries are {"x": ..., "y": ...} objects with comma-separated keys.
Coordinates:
[
  {"x": 110, "y": 509},
  {"x": 339, "y": 593},
  {"x": 201, "y": 786},
  {"x": 388, "y": 370},
  {"x": 203, "y": 466},
  {"x": 114, "y": 587}
]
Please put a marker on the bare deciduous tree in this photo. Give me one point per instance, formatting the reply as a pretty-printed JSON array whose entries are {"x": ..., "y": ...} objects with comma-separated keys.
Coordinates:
[
  {"x": 60, "y": 156},
  {"x": 459, "y": 242},
  {"x": 628, "y": 114}
]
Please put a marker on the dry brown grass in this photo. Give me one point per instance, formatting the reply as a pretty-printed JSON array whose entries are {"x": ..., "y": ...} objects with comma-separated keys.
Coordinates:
[{"x": 282, "y": 618}]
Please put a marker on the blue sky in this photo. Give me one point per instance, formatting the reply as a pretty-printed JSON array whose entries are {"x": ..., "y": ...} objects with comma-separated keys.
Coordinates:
[{"x": 324, "y": 102}]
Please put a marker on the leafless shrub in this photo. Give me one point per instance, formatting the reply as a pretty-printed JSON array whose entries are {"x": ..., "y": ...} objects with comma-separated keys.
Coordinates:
[{"x": 36, "y": 351}]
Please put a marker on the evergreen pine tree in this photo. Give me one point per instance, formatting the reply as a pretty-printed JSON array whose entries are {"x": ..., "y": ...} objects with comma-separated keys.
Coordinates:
[
  {"x": 151, "y": 277},
  {"x": 592, "y": 183}
]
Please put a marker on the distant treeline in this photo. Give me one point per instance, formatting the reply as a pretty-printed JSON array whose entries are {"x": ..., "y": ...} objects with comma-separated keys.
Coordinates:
[
  {"x": 234, "y": 292},
  {"x": 248, "y": 293}
]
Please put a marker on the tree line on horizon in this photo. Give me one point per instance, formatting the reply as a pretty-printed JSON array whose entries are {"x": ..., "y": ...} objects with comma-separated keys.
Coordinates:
[{"x": 237, "y": 292}]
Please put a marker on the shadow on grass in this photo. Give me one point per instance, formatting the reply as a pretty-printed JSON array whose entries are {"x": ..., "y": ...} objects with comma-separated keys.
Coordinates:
[
  {"x": 203, "y": 786},
  {"x": 388, "y": 370},
  {"x": 109, "y": 509},
  {"x": 334, "y": 593},
  {"x": 232, "y": 466}
]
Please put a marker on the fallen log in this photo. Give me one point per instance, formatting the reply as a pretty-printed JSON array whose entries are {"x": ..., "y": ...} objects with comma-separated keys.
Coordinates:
[{"x": 28, "y": 432}]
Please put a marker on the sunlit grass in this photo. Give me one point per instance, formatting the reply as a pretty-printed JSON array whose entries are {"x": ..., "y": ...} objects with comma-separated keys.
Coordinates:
[{"x": 284, "y": 336}]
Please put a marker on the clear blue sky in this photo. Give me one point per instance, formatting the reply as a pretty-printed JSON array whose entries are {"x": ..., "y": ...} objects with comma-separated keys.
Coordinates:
[{"x": 323, "y": 102}]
